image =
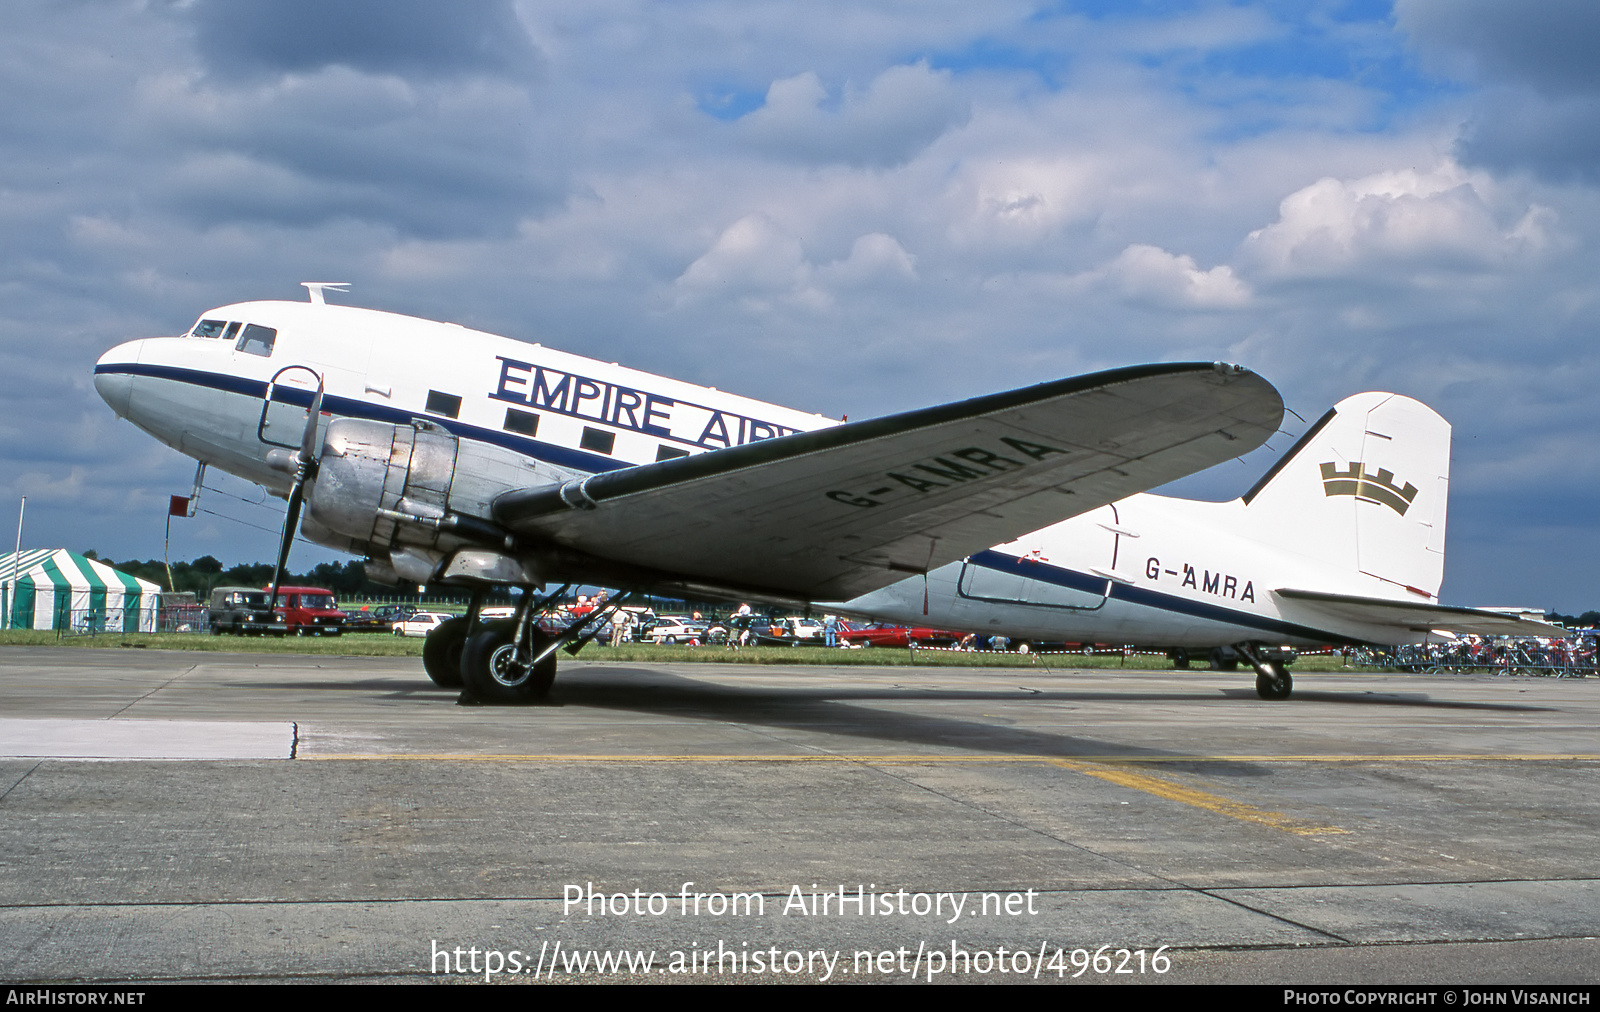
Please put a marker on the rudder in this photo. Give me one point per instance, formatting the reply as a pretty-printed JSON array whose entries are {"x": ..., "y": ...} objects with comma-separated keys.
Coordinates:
[{"x": 1365, "y": 488}]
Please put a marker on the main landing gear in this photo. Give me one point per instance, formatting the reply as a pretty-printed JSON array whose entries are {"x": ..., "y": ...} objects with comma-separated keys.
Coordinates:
[
  {"x": 1273, "y": 680},
  {"x": 512, "y": 661},
  {"x": 441, "y": 652},
  {"x": 509, "y": 661}
]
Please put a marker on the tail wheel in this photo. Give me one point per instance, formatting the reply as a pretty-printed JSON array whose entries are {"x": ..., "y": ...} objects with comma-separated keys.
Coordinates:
[
  {"x": 1277, "y": 684},
  {"x": 441, "y": 652},
  {"x": 496, "y": 670}
]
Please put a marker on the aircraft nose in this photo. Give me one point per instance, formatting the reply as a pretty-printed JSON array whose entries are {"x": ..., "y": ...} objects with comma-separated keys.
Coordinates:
[{"x": 113, "y": 378}]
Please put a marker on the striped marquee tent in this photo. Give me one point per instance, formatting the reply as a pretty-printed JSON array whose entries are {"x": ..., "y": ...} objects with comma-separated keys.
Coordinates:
[{"x": 58, "y": 589}]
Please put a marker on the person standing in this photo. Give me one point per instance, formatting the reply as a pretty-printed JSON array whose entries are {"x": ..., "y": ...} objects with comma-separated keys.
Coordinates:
[{"x": 621, "y": 627}]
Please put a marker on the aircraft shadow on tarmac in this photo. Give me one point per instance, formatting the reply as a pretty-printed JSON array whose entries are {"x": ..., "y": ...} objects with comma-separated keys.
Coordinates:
[
  {"x": 648, "y": 691},
  {"x": 601, "y": 687},
  {"x": 1370, "y": 698},
  {"x": 844, "y": 710},
  {"x": 837, "y": 710}
]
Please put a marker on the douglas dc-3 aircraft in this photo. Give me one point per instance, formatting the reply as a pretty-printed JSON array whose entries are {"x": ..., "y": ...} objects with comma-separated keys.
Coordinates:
[{"x": 448, "y": 456}]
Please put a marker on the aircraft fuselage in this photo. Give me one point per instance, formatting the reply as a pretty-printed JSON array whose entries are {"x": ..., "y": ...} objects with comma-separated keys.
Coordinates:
[
  {"x": 1147, "y": 569},
  {"x": 569, "y": 415}
]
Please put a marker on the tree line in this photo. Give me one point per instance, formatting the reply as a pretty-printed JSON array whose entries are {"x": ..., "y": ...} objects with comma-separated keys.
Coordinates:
[{"x": 347, "y": 579}]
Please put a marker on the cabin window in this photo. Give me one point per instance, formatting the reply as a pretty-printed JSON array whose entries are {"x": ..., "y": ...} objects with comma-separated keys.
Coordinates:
[
  {"x": 448, "y": 405},
  {"x": 209, "y": 328},
  {"x": 257, "y": 340},
  {"x": 524, "y": 422},
  {"x": 598, "y": 440},
  {"x": 665, "y": 452}
]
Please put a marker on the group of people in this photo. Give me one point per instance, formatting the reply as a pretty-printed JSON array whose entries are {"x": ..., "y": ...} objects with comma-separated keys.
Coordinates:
[{"x": 1576, "y": 653}]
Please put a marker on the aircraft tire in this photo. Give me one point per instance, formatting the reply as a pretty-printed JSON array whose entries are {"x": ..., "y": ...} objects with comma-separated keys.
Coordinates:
[
  {"x": 1221, "y": 663},
  {"x": 1279, "y": 686},
  {"x": 490, "y": 673},
  {"x": 441, "y": 652}
]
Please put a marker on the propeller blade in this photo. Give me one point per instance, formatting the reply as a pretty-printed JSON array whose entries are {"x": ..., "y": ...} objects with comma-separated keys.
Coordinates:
[
  {"x": 291, "y": 522},
  {"x": 307, "y": 459},
  {"x": 308, "y": 440}
]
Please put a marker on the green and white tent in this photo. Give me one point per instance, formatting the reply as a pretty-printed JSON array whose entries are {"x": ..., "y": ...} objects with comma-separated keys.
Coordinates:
[{"x": 58, "y": 589}]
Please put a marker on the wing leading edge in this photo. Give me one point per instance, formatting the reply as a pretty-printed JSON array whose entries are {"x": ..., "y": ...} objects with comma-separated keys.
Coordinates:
[{"x": 838, "y": 512}]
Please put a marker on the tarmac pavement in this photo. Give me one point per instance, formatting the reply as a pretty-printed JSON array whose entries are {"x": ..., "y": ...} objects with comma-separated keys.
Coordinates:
[{"x": 199, "y": 816}]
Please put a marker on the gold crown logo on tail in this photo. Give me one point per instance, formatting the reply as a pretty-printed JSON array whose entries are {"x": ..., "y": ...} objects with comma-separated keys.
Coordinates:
[{"x": 1358, "y": 482}]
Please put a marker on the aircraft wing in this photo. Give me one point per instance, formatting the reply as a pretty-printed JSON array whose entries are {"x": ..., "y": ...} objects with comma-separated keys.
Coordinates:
[
  {"x": 838, "y": 512},
  {"x": 1414, "y": 617}
]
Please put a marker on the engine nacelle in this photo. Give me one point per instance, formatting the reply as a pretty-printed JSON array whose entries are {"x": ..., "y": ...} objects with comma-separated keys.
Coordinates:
[{"x": 379, "y": 485}]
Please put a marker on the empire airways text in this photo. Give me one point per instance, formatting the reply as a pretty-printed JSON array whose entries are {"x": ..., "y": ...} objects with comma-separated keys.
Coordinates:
[{"x": 627, "y": 408}]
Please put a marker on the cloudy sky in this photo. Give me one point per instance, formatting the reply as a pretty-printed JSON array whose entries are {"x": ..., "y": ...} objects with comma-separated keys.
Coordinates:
[{"x": 851, "y": 208}]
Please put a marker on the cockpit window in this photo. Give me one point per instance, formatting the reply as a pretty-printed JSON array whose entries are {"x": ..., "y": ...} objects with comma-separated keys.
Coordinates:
[
  {"x": 233, "y": 328},
  {"x": 209, "y": 328},
  {"x": 257, "y": 340}
]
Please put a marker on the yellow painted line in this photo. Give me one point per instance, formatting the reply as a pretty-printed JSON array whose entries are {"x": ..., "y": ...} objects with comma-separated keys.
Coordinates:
[
  {"x": 1172, "y": 790},
  {"x": 1112, "y": 769},
  {"x": 912, "y": 758}
]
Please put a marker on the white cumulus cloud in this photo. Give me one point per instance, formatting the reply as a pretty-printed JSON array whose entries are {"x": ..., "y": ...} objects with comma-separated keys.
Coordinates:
[
  {"x": 1441, "y": 219},
  {"x": 874, "y": 258},
  {"x": 757, "y": 263},
  {"x": 902, "y": 111},
  {"x": 1150, "y": 275},
  {"x": 751, "y": 255}
]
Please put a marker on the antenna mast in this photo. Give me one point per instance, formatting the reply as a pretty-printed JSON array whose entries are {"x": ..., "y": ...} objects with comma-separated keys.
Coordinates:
[{"x": 316, "y": 288}]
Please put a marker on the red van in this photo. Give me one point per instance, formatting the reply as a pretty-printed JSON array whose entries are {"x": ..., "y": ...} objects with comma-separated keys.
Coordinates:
[{"x": 309, "y": 611}]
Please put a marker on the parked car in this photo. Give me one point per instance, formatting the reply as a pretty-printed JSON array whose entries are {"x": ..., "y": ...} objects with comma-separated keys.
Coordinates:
[
  {"x": 885, "y": 634},
  {"x": 671, "y": 631},
  {"x": 772, "y": 631},
  {"x": 419, "y": 623},
  {"x": 808, "y": 631},
  {"x": 309, "y": 611},
  {"x": 242, "y": 611},
  {"x": 379, "y": 619}
]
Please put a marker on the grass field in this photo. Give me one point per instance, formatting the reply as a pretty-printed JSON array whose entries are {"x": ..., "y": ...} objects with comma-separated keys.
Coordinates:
[{"x": 383, "y": 645}]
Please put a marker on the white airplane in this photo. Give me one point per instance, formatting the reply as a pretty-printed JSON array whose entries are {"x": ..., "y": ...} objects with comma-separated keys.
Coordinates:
[{"x": 448, "y": 456}]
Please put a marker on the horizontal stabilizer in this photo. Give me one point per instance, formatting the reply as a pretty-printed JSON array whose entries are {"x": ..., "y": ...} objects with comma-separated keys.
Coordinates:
[
  {"x": 837, "y": 512},
  {"x": 1414, "y": 617}
]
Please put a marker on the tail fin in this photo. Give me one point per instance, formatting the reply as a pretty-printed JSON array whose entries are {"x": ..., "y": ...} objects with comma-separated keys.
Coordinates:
[{"x": 1366, "y": 487}]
